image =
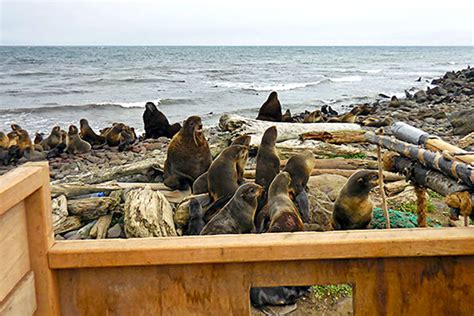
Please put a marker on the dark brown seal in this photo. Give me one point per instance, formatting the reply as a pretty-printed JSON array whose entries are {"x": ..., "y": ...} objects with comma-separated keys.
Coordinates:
[
  {"x": 353, "y": 207},
  {"x": 75, "y": 145},
  {"x": 237, "y": 216},
  {"x": 271, "y": 109},
  {"x": 188, "y": 155},
  {"x": 156, "y": 123},
  {"x": 53, "y": 139},
  {"x": 88, "y": 134}
]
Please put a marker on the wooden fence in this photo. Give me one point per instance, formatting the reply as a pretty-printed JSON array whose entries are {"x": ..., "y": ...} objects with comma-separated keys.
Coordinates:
[{"x": 397, "y": 272}]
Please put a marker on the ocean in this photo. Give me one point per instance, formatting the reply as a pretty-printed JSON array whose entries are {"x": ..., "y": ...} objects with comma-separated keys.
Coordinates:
[{"x": 45, "y": 86}]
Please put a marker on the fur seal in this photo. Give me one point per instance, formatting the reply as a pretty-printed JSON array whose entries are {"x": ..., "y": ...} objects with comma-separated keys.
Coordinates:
[
  {"x": 188, "y": 155},
  {"x": 53, "y": 139},
  {"x": 200, "y": 184},
  {"x": 328, "y": 110},
  {"x": 287, "y": 117},
  {"x": 59, "y": 149},
  {"x": 300, "y": 167},
  {"x": 12, "y": 139},
  {"x": 315, "y": 117},
  {"x": 280, "y": 295},
  {"x": 237, "y": 216},
  {"x": 196, "y": 222},
  {"x": 75, "y": 145},
  {"x": 112, "y": 134},
  {"x": 268, "y": 162},
  {"x": 156, "y": 123},
  {"x": 353, "y": 207},
  {"x": 271, "y": 109},
  {"x": 376, "y": 122},
  {"x": 284, "y": 217},
  {"x": 24, "y": 141},
  {"x": 349, "y": 117},
  {"x": 4, "y": 141},
  {"x": 88, "y": 134}
]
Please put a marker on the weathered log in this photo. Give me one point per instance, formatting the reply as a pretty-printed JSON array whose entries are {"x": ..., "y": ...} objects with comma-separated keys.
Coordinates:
[
  {"x": 92, "y": 208},
  {"x": 382, "y": 189},
  {"x": 413, "y": 135},
  {"x": 244, "y": 125},
  {"x": 339, "y": 137},
  {"x": 422, "y": 176},
  {"x": 104, "y": 175},
  {"x": 393, "y": 188},
  {"x": 340, "y": 163},
  {"x": 99, "y": 230},
  {"x": 148, "y": 214},
  {"x": 70, "y": 223},
  {"x": 467, "y": 140},
  {"x": 456, "y": 170},
  {"x": 289, "y": 148},
  {"x": 59, "y": 211},
  {"x": 388, "y": 176},
  {"x": 76, "y": 189}
]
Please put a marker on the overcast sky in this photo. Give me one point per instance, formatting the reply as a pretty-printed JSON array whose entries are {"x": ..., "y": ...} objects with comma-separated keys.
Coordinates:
[{"x": 239, "y": 22}]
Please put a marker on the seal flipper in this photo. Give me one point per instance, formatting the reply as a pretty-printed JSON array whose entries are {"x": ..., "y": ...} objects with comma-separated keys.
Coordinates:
[
  {"x": 302, "y": 203},
  {"x": 196, "y": 223}
]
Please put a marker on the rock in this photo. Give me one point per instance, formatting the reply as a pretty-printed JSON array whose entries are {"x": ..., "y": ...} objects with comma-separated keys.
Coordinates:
[
  {"x": 148, "y": 214},
  {"x": 59, "y": 237},
  {"x": 462, "y": 122},
  {"x": 114, "y": 231},
  {"x": 320, "y": 211},
  {"x": 328, "y": 184},
  {"x": 72, "y": 235},
  {"x": 420, "y": 96},
  {"x": 181, "y": 215},
  {"x": 438, "y": 90},
  {"x": 84, "y": 232}
]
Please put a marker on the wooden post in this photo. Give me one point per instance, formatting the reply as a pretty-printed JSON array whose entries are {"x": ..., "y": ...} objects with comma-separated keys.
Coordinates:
[
  {"x": 382, "y": 189},
  {"x": 421, "y": 205},
  {"x": 40, "y": 240}
]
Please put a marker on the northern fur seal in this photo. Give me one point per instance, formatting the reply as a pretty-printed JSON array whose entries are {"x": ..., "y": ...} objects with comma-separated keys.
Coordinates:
[
  {"x": 349, "y": 117},
  {"x": 75, "y": 145},
  {"x": 314, "y": 117},
  {"x": 284, "y": 217},
  {"x": 287, "y": 117},
  {"x": 271, "y": 109},
  {"x": 88, "y": 134},
  {"x": 268, "y": 162},
  {"x": 200, "y": 184},
  {"x": 188, "y": 155},
  {"x": 4, "y": 141},
  {"x": 24, "y": 141},
  {"x": 53, "y": 139},
  {"x": 237, "y": 216},
  {"x": 156, "y": 123},
  {"x": 300, "y": 167},
  {"x": 353, "y": 207},
  {"x": 196, "y": 221}
]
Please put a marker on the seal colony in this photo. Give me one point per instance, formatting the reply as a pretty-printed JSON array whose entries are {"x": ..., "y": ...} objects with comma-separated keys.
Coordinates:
[{"x": 225, "y": 199}]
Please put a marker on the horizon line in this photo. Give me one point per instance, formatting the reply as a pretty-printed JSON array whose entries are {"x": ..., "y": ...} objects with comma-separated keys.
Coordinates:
[{"x": 222, "y": 45}]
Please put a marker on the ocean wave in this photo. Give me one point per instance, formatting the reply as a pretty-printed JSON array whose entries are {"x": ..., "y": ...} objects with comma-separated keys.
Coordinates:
[
  {"x": 355, "y": 71},
  {"x": 31, "y": 74},
  {"x": 256, "y": 86},
  {"x": 346, "y": 79}
]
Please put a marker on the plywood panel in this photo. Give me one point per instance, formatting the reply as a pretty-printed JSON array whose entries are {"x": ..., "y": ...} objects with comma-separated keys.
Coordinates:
[
  {"x": 263, "y": 247},
  {"x": 21, "y": 301},
  {"x": 393, "y": 286},
  {"x": 14, "y": 256}
]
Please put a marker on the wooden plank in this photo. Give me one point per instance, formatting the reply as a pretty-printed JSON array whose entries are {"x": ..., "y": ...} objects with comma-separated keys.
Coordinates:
[
  {"x": 14, "y": 257},
  {"x": 40, "y": 240},
  {"x": 391, "y": 286},
  {"x": 21, "y": 300},
  {"x": 17, "y": 184},
  {"x": 264, "y": 247}
]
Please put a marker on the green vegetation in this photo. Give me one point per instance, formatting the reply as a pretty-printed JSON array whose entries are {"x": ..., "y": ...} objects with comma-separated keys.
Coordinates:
[
  {"x": 411, "y": 207},
  {"x": 434, "y": 195},
  {"x": 334, "y": 292},
  {"x": 348, "y": 156}
]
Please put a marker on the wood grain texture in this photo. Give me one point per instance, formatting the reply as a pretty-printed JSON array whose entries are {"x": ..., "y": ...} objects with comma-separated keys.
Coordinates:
[
  {"x": 391, "y": 286},
  {"x": 21, "y": 300},
  {"x": 14, "y": 257},
  {"x": 264, "y": 247},
  {"x": 40, "y": 240}
]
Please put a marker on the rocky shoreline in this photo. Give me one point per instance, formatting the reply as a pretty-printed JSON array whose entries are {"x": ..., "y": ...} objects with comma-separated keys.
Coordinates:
[{"x": 445, "y": 110}]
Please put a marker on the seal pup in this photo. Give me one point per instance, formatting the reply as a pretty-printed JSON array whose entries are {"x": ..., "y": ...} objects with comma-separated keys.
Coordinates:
[
  {"x": 287, "y": 117},
  {"x": 271, "y": 109},
  {"x": 38, "y": 138},
  {"x": 156, "y": 123},
  {"x": 237, "y": 216},
  {"x": 75, "y": 145},
  {"x": 349, "y": 117},
  {"x": 353, "y": 206},
  {"x": 188, "y": 155},
  {"x": 314, "y": 117},
  {"x": 53, "y": 139},
  {"x": 112, "y": 134},
  {"x": 196, "y": 221},
  {"x": 300, "y": 167},
  {"x": 284, "y": 217},
  {"x": 200, "y": 184},
  {"x": 88, "y": 134},
  {"x": 24, "y": 141}
]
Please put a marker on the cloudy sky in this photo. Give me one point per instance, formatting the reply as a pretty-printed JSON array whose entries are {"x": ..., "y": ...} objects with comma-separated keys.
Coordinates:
[{"x": 239, "y": 22}]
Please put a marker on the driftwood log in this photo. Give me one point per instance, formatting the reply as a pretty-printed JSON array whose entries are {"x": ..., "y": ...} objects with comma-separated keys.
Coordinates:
[
  {"x": 148, "y": 214},
  {"x": 417, "y": 136},
  {"x": 388, "y": 176},
  {"x": 70, "y": 223},
  {"x": 77, "y": 189},
  {"x": 396, "y": 187},
  {"x": 99, "y": 230},
  {"x": 92, "y": 208},
  {"x": 59, "y": 212},
  {"x": 244, "y": 125},
  {"x": 454, "y": 169},
  {"x": 339, "y": 137},
  {"x": 289, "y": 148}
]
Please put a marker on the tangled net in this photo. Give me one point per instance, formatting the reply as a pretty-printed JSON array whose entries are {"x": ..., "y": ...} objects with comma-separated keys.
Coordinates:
[{"x": 398, "y": 219}]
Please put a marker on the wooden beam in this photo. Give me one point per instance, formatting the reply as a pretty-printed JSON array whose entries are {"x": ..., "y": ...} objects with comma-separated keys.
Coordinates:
[
  {"x": 21, "y": 300},
  {"x": 40, "y": 240},
  {"x": 264, "y": 247}
]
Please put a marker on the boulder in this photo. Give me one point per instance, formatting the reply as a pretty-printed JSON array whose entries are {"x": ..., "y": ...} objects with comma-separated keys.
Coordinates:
[
  {"x": 328, "y": 184},
  {"x": 420, "y": 96},
  {"x": 438, "y": 90},
  {"x": 462, "y": 122}
]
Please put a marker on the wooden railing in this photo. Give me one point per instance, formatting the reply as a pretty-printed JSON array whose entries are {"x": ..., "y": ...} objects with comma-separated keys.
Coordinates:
[{"x": 396, "y": 272}]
